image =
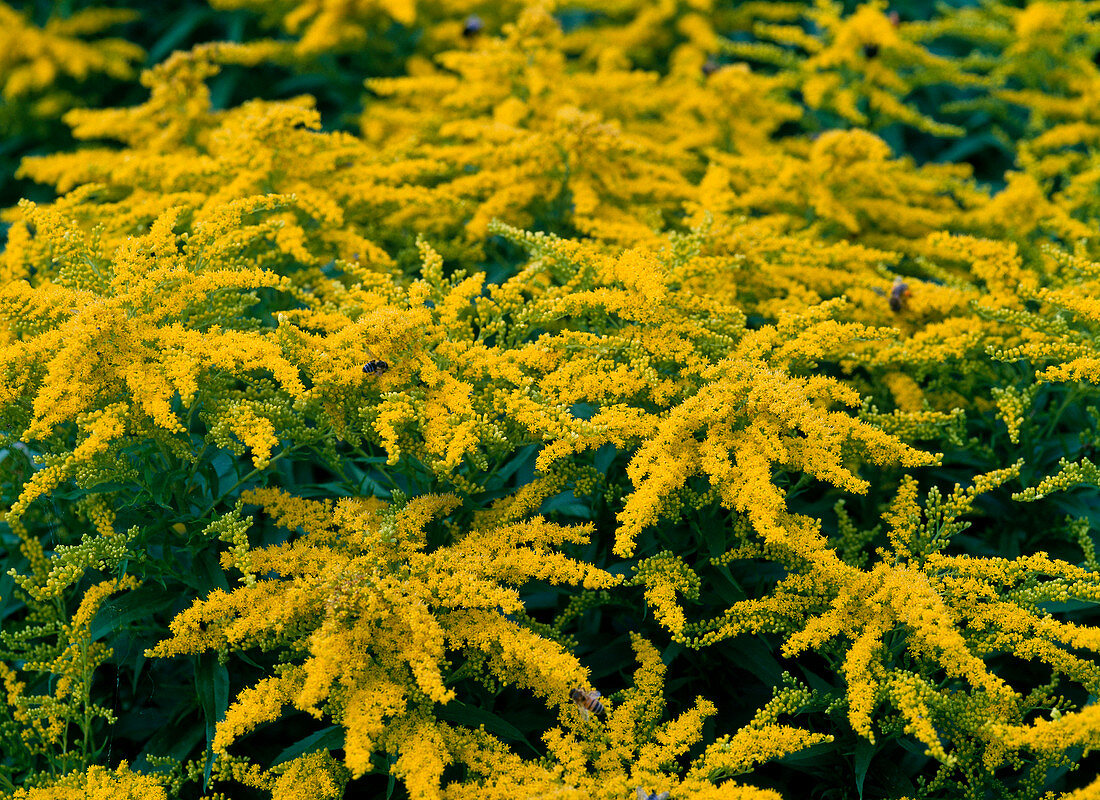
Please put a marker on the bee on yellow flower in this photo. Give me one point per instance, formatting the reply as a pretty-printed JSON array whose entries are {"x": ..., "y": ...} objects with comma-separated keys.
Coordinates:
[
  {"x": 472, "y": 27},
  {"x": 587, "y": 701},
  {"x": 899, "y": 295}
]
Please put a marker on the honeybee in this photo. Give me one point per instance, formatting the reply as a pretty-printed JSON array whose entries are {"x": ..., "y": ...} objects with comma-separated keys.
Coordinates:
[
  {"x": 899, "y": 295},
  {"x": 644, "y": 794},
  {"x": 587, "y": 701},
  {"x": 375, "y": 366},
  {"x": 472, "y": 26}
]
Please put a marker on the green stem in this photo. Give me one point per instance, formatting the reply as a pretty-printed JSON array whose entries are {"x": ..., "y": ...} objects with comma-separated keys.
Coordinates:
[
  {"x": 195, "y": 465},
  {"x": 1070, "y": 393},
  {"x": 87, "y": 691},
  {"x": 177, "y": 489},
  {"x": 249, "y": 477},
  {"x": 383, "y": 473}
]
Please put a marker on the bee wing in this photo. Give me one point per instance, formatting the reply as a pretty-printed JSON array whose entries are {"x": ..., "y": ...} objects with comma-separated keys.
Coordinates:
[
  {"x": 661, "y": 796},
  {"x": 642, "y": 794},
  {"x": 594, "y": 694}
]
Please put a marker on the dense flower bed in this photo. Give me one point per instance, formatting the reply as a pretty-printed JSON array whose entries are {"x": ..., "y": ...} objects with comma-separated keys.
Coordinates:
[{"x": 380, "y": 380}]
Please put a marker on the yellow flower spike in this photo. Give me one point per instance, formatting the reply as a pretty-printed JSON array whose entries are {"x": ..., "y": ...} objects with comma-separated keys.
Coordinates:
[
  {"x": 381, "y": 619},
  {"x": 324, "y": 26},
  {"x": 663, "y": 576},
  {"x": 739, "y": 460},
  {"x": 100, "y": 783},
  {"x": 423, "y": 757},
  {"x": 37, "y": 59}
]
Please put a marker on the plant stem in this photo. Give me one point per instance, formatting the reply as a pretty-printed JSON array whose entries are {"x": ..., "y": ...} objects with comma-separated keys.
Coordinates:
[{"x": 249, "y": 477}]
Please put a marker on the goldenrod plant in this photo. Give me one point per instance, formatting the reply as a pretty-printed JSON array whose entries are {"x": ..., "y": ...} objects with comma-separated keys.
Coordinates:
[
  {"x": 449, "y": 400},
  {"x": 40, "y": 67}
]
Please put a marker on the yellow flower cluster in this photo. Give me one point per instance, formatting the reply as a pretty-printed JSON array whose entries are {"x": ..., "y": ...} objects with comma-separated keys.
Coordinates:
[
  {"x": 65, "y": 650},
  {"x": 631, "y": 749},
  {"x": 327, "y": 25},
  {"x": 377, "y": 614},
  {"x": 859, "y": 66},
  {"x": 98, "y": 783},
  {"x": 37, "y": 63}
]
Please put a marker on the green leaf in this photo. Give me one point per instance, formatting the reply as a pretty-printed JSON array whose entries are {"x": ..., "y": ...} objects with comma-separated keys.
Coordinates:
[
  {"x": 568, "y": 504},
  {"x": 473, "y": 717},
  {"x": 674, "y": 649},
  {"x": 815, "y": 681},
  {"x": 970, "y": 145},
  {"x": 615, "y": 656},
  {"x": 369, "y": 487},
  {"x": 605, "y": 455},
  {"x": 523, "y": 458},
  {"x": 225, "y": 468},
  {"x": 99, "y": 488},
  {"x": 135, "y": 605},
  {"x": 726, "y": 586},
  {"x": 206, "y": 574},
  {"x": 582, "y": 410},
  {"x": 913, "y": 746},
  {"x": 1068, "y": 605},
  {"x": 212, "y": 684},
  {"x": 9, "y": 603},
  {"x": 173, "y": 741},
  {"x": 330, "y": 738},
  {"x": 177, "y": 34},
  {"x": 822, "y": 754},
  {"x": 864, "y": 752},
  {"x": 750, "y": 653}
]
